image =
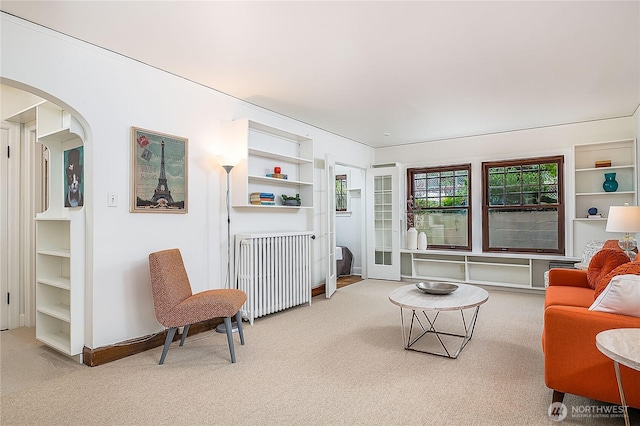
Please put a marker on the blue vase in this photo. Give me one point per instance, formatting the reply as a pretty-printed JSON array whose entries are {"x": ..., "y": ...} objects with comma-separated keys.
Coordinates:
[{"x": 610, "y": 183}]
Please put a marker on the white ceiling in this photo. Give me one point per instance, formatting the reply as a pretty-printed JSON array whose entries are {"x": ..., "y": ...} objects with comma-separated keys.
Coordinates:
[{"x": 418, "y": 70}]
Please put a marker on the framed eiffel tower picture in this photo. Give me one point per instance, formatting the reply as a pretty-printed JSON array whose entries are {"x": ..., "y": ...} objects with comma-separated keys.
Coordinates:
[{"x": 158, "y": 172}]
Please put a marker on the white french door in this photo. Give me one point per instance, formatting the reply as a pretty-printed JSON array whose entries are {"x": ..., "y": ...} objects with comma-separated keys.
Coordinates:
[
  {"x": 9, "y": 235},
  {"x": 330, "y": 179},
  {"x": 383, "y": 223}
]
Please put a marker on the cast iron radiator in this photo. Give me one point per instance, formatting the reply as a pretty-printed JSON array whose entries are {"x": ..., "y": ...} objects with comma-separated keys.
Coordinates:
[{"x": 274, "y": 270}]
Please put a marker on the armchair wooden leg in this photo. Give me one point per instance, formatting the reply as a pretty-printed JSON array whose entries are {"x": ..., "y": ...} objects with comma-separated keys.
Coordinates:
[
  {"x": 167, "y": 343},
  {"x": 185, "y": 330},
  {"x": 227, "y": 324},
  {"x": 557, "y": 396},
  {"x": 240, "y": 331}
]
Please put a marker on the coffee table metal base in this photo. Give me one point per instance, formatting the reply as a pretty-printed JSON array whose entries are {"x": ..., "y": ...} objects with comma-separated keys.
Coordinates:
[{"x": 408, "y": 332}]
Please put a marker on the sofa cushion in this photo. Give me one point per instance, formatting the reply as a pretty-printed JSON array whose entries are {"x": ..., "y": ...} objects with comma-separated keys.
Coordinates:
[
  {"x": 620, "y": 296},
  {"x": 632, "y": 268},
  {"x": 603, "y": 262},
  {"x": 568, "y": 296}
]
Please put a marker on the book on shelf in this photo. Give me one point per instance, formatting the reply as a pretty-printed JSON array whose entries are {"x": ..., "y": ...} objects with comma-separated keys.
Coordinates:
[
  {"x": 603, "y": 163},
  {"x": 262, "y": 198},
  {"x": 595, "y": 216},
  {"x": 277, "y": 176}
]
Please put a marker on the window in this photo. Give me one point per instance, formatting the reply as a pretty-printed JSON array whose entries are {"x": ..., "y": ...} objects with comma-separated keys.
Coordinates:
[
  {"x": 523, "y": 208},
  {"x": 440, "y": 205},
  {"x": 341, "y": 193}
]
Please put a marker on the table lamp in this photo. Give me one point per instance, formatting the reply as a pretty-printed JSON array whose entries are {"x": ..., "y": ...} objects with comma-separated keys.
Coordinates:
[{"x": 625, "y": 219}]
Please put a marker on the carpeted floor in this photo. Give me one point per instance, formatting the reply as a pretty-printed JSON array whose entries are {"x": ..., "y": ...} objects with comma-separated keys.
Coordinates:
[{"x": 339, "y": 361}]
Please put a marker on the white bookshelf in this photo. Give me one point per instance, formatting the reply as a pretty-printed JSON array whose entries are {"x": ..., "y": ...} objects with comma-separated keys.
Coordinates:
[
  {"x": 60, "y": 237},
  {"x": 588, "y": 190},
  {"x": 266, "y": 147}
]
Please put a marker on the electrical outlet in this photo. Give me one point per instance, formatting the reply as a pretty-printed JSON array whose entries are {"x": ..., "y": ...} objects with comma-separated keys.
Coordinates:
[{"x": 112, "y": 200}]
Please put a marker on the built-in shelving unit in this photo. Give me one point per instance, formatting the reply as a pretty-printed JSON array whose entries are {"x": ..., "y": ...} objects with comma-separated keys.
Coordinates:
[
  {"x": 60, "y": 237},
  {"x": 512, "y": 270},
  {"x": 267, "y": 147},
  {"x": 589, "y": 191}
]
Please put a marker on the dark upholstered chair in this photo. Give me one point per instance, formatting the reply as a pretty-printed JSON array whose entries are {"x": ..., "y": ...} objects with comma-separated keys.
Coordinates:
[{"x": 176, "y": 306}]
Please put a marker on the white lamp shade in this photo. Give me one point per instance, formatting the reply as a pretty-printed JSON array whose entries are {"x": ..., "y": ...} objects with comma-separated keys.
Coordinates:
[
  {"x": 624, "y": 219},
  {"x": 229, "y": 159}
]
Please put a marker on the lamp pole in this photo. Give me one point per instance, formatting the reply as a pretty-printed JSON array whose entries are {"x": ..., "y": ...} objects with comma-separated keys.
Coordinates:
[
  {"x": 228, "y": 170},
  {"x": 234, "y": 325}
]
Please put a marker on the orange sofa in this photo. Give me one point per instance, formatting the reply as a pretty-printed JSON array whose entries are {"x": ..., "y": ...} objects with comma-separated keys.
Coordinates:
[{"x": 572, "y": 362}]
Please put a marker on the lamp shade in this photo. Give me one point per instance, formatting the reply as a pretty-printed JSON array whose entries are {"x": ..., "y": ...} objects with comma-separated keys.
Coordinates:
[
  {"x": 229, "y": 159},
  {"x": 624, "y": 219}
]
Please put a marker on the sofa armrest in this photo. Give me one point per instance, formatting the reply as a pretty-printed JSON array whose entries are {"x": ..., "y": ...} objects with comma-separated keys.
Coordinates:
[
  {"x": 572, "y": 362},
  {"x": 568, "y": 277}
]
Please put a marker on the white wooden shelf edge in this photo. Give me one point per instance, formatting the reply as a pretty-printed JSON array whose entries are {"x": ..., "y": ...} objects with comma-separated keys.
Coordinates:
[
  {"x": 55, "y": 252},
  {"x": 255, "y": 206},
  {"x": 61, "y": 312},
  {"x": 284, "y": 158},
  {"x": 276, "y": 181},
  {"x": 59, "y": 341},
  {"x": 59, "y": 282},
  {"x": 578, "y": 194},
  {"x": 499, "y": 265},
  {"x": 604, "y": 169},
  {"x": 457, "y": 262}
]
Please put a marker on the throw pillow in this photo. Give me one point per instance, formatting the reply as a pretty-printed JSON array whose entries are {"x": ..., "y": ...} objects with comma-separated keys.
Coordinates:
[
  {"x": 603, "y": 262},
  {"x": 621, "y": 296},
  {"x": 632, "y": 268}
]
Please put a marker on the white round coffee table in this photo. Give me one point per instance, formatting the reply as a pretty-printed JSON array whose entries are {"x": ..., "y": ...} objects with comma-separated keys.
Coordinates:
[
  {"x": 410, "y": 297},
  {"x": 622, "y": 345}
]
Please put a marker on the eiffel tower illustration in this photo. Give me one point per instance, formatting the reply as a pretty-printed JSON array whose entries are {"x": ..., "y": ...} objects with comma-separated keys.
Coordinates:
[{"x": 162, "y": 190}]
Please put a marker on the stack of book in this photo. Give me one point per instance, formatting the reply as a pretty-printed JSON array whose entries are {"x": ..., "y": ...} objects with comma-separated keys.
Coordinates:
[
  {"x": 277, "y": 176},
  {"x": 262, "y": 199}
]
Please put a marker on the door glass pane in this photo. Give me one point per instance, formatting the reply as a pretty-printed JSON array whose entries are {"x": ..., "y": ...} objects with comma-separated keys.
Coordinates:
[{"x": 383, "y": 199}]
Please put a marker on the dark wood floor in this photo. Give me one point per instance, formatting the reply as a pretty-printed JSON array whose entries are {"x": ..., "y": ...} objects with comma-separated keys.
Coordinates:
[
  {"x": 345, "y": 281},
  {"x": 341, "y": 282}
]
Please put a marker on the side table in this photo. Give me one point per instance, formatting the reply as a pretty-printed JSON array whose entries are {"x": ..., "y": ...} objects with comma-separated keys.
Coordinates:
[{"x": 622, "y": 345}]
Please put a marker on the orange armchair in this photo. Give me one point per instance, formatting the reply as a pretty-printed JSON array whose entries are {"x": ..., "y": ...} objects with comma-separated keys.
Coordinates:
[{"x": 176, "y": 306}]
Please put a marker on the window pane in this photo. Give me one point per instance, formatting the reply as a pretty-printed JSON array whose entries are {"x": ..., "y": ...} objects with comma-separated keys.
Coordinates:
[
  {"x": 496, "y": 197},
  {"x": 341, "y": 192},
  {"x": 523, "y": 229},
  {"x": 443, "y": 227}
]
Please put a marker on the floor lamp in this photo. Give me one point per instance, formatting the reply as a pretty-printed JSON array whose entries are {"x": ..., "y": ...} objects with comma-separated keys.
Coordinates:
[{"x": 234, "y": 326}]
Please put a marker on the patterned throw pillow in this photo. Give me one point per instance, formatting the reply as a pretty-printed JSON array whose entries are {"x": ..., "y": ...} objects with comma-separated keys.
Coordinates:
[
  {"x": 603, "y": 262},
  {"x": 630, "y": 268}
]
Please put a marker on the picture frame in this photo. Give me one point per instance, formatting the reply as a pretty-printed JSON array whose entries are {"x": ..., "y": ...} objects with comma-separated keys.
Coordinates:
[
  {"x": 74, "y": 177},
  {"x": 159, "y": 172}
]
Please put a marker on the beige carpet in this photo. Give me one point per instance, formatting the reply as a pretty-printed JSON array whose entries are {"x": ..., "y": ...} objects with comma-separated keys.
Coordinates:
[{"x": 336, "y": 362}]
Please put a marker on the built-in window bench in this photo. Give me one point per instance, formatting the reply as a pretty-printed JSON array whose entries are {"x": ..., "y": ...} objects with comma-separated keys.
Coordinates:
[{"x": 514, "y": 270}]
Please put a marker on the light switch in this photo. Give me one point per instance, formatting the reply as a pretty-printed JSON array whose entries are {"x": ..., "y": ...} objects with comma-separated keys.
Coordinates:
[{"x": 113, "y": 199}]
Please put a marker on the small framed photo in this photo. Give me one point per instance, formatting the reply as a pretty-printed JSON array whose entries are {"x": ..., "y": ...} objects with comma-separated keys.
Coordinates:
[
  {"x": 158, "y": 172},
  {"x": 74, "y": 177}
]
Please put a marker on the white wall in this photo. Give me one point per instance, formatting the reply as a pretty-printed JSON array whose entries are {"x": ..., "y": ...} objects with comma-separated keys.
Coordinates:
[
  {"x": 109, "y": 94},
  {"x": 556, "y": 140}
]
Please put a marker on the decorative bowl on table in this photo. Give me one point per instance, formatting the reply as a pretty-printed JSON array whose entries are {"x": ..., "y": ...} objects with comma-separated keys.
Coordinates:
[{"x": 434, "y": 287}]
